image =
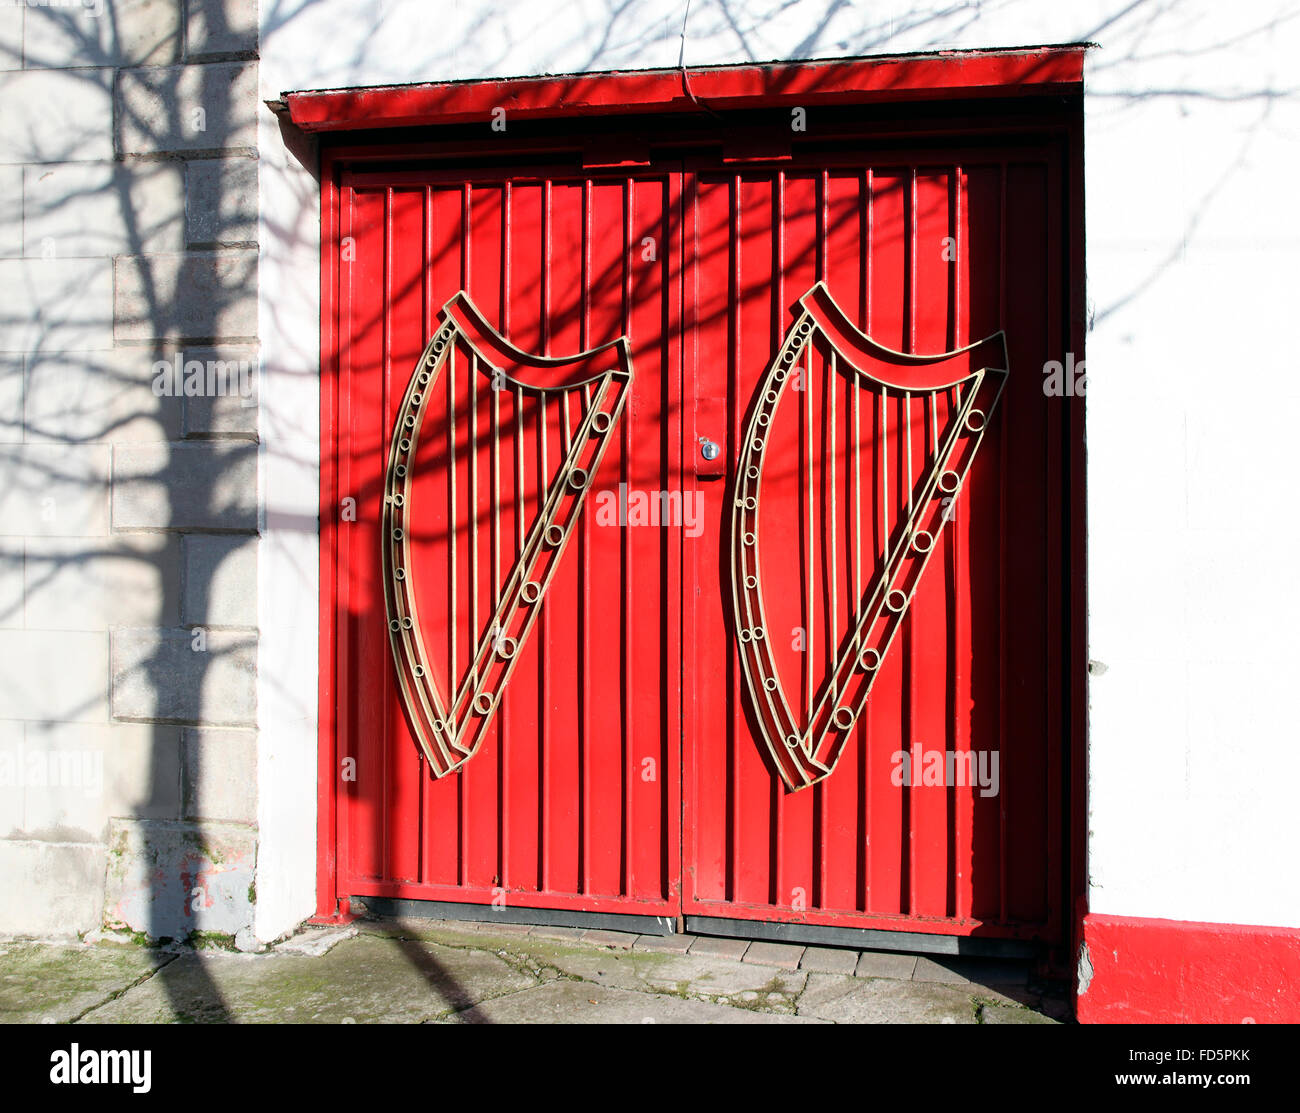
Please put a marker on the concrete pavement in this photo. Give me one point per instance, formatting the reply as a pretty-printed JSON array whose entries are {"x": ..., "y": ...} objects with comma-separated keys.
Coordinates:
[{"x": 467, "y": 973}]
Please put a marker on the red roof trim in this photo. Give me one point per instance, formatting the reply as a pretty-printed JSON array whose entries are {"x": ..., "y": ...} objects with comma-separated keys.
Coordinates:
[{"x": 1051, "y": 69}]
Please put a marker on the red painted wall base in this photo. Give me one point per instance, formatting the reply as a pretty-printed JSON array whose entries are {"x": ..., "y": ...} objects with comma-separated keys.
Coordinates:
[{"x": 1138, "y": 971}]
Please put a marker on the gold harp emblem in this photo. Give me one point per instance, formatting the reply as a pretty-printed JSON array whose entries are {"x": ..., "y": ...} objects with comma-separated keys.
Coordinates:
[
  {"x": 923, "y": 421},
  {"x": 478, "y": 507}
]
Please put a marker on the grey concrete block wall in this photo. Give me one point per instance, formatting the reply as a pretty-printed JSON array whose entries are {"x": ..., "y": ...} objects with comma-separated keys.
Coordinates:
[
  {"x": 218, "y": 769},
  {"x": 220, "y": 581},
  {"x": 140, "y": 33},
  {"x": 221, "y": 195},
  {"x": 196, "y": 295},
  {"x": 101, "y": 209},
  {"x": 56, "y": 115},
  {"x": 184, "y": 675},
  {"x": 187, "y": 108},
  {"x": 56, "y": 305},
  {"x": 96, "y": 397},
  {"x": 217, "y": 28},
  {"x": 128, "y": 498},
  {"x": 235, "y": 411},
  {"x": 205, "y": 485}
]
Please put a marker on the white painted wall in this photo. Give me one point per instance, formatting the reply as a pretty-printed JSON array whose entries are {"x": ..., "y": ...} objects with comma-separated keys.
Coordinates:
[{"x": 1193, "y": 119}]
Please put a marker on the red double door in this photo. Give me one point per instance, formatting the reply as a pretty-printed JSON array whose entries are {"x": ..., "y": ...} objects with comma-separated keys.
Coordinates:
[{"x": 624, "y": 770}]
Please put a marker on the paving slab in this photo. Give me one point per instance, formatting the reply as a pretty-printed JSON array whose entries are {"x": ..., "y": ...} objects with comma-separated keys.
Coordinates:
[
  {"x": 477, "y": 973},
  {"x": 740, "y": 983},
  {"x": 315, "y": 941},
  {"x": 877, "y": 1001},
  {"x": 565, "y": 934},
  {"x": 987, "y": 972},
  {"x": 361, "y": 980},
  {"x": 55, "y": 983},
  {"x": 1003, "y": 1014},
  {"x": 507, "y": 928},
  {"x": 1011, "y": 995},
  {"x": 828, "y": 960},
  {"x": 456, "y": 933},
  {"x": 784, "y": 955},
  {"x": 622, "y": 940},
  {"x": 708, "y": 947},
  {"x": 886, "y": 964},
  {"x": 943, "y": 970},
  {"x": 667, "y": 944},
  {"x": 565, "y": 1002}
]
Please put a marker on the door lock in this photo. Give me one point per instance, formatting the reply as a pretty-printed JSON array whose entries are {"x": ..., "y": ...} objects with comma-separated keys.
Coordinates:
[{"x": 709, "y": 449}]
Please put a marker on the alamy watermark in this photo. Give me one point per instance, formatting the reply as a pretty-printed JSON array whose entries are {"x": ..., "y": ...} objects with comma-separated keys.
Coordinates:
[
  {"x": 946, "y": 768},
  {"x": 94, "y": 8},
  {"x": 36, "y": 768},
  {"x": 1065, "y": 380},
  {"x": 179, "y": 377},
  {"x": 661, "y": 509}
]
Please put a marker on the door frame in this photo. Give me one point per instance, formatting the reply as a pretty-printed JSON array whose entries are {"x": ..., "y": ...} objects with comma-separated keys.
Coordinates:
[{"x": 572, "y": 115}]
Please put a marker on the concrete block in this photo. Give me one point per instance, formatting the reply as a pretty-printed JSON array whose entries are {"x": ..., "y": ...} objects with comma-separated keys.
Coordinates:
[
  {"x": 78, "y": 583},
  {"x": 86, "y": 397},
  {"x": 198, "y": 676},
  {"x": 50, "y": 888},
  {"x": 719, "y": 948},
  {"x": 219, "y": 775},
  {"x": 13, "y": 558},
  {"x": 77, "y": 776},
  {"x": 11, "y": 36},
  {"x": 95, "y": 209},
  {"x": 12, "y": 376},
  {"x": 185, "y": 486},
  {"x": 234, "y": 410},
  {"x": 221, "y": 201},
  {"x": 92, "y": 32},
  {"x": 220, "y": 581},
  {"x": 170, "y": 879},
  {"x": 200, "y": 295},
  {"x": 56, "y": 305},
  {"x": 220, "y": 27},
  {"x": 57, "y": 675},
  {"x": 12, "y": 779},
  {"x": 784, "y": 955},
  {"x": 56, "y": 115},
  {"x": 11, "y": 206},
  {"x": 187, "y": 108},
  {"x": 54, "y": 490},
  {"x": 885, "y": 964}
]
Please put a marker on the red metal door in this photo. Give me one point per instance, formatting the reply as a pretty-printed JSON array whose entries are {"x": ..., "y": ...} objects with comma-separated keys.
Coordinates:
[
  {"x": 626, "y": 770},
  {"x": 925, "y": 251},
  {"x": 572, "y": 797}
]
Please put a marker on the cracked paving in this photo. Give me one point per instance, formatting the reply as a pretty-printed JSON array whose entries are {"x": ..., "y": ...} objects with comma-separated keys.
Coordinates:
[{"x": 471, "y": 973}]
